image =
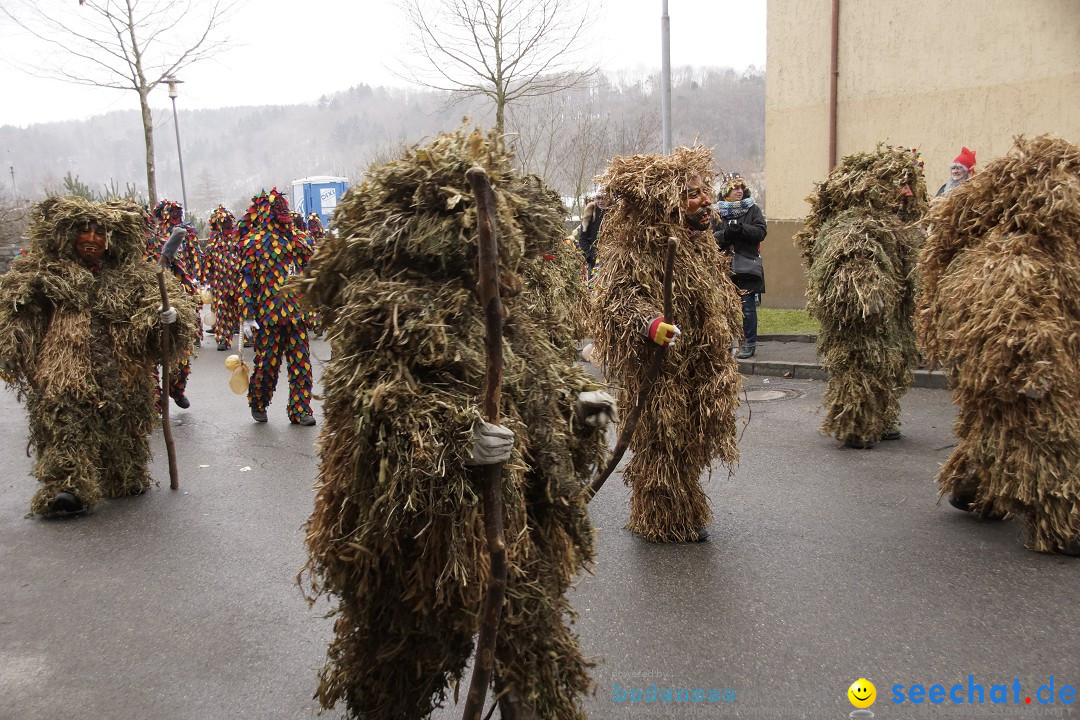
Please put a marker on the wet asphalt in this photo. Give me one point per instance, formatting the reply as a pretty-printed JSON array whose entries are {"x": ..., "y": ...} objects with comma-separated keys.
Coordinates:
[{"x": 824, "y": 565}]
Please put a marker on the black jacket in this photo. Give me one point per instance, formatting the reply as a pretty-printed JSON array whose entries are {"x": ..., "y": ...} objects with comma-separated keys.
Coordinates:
[{"x": 745, "y": 241}]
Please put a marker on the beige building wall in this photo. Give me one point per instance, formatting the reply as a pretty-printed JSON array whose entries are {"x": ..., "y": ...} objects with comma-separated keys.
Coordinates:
[{"x": 931, "y": 74}]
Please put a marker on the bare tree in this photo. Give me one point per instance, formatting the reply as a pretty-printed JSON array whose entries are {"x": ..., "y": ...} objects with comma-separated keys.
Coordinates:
[
  {"x": 504, "y": 50},
  {"x": 122, "y": 44},
  {"x": 14, "y": 221}
]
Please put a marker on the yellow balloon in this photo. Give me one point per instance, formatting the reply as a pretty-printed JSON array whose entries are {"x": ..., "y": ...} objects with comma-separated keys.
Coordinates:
[
  {"x": 862, "y": 693},
  {"x": 232, "y": 362}
]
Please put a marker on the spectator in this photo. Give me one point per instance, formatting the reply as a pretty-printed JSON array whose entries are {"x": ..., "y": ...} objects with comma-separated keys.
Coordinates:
[
  {"x": 961, "y": 170},
  {"x": 739, "y": 232}
]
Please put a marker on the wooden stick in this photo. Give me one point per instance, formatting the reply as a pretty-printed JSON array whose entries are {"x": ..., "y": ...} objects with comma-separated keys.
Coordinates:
[
  {"x": 488, "y": 289},
  {"x": 166, "y": 351},
  {"x": 656, "y": 362}
]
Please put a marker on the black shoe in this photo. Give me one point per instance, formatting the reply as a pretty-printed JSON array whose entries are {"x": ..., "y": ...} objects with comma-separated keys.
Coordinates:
[
  {"x": 961, "y": 502},
  {"x": 854, "y": 441},
  {"x": 182, "y": 402},
  {"x": 305, "y": 420},
  {"x": 747, "y": 352},
  {"x": 136, "y": 491},
  {"x": 1071, "y": 548},
  {"x": 66, "y": 504},
  {"x": 701, "y": 535},
  {"x": 259, "y": 415},
  {"x": 224, "y": 345},
  {"x": 892, "y": 433}
]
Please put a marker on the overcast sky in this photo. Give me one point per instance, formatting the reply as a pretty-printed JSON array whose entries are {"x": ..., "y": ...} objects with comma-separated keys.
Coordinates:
[{"x": 317, "y": 47}]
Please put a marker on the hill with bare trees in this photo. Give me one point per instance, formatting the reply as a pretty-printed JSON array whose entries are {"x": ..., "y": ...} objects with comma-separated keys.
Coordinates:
[{"x": 231, "y": 153}]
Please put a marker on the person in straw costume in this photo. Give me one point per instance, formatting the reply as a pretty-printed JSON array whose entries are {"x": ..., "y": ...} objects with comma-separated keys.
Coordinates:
[
  {"x": 80, "y": 337},
  {"x": 169, "y": 215},
  {"x": 396, "y": 538},
  {"x": 859, "y": 247},
  {"x": 1000, "y": 311},
  {"x": 689, "y": 418}
]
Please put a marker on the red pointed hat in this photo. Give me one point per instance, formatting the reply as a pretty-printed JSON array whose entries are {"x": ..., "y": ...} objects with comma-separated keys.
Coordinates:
[{"x": 966, "y": 158}]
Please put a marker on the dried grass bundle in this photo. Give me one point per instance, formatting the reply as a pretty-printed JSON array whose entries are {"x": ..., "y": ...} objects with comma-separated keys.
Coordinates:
[
  {"x": 396, "y": 537},
  {"x": 859, "y": 246},
  {"x": 690, "y": 418},
  {"x": 82, "y": 348},
  {"x": 1001, "y": 311}
]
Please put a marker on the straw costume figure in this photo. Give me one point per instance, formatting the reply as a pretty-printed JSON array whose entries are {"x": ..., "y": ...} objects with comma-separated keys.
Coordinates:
[
  {"x": 859, "y": 246},
  {"x": 272, "y": 252},
  {"x": 397, "y": 534},
  {"x": 689, "y": 419},
  {"x": 1000, "y": 310},
  {"x": 223, "y": 276},
  {"x": 80, "y": 326}
]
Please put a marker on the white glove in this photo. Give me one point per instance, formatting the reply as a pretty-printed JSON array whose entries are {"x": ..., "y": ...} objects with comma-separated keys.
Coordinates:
[
  {"x": 248, "y": 327},
  {"x": 491, "y": 444},
  {"x": 596, "y": 408},
  {"x": 168, "y": 317}
]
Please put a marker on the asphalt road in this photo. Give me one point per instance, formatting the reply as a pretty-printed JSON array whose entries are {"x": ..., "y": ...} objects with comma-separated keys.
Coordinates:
[{"x": 825, "y": 565}]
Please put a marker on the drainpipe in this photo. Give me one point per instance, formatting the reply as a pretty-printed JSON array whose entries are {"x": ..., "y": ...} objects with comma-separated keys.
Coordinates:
[{"x": 834, "y": 42}]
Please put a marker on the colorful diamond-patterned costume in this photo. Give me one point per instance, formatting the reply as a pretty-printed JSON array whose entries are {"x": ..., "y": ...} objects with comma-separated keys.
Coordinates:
[
  {"x": 222, "y": 273},
  {"x": 167, "y": 215},
  {"x": 315, "y": 233},
  {"x": 190, "y": 256},
  {"x": 271, "y": 252}
]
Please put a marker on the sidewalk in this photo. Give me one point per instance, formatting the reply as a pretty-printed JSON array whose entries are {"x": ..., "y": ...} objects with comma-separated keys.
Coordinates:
[{"x": 795, "y": 356}]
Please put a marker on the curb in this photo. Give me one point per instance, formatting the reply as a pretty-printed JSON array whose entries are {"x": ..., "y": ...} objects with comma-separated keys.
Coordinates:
[
  {"x": 933, "y": 380},
  {"x": 787, "y": 338}
]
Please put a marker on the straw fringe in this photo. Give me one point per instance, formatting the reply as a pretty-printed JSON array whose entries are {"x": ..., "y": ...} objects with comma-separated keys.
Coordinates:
[
  {"x": 396, "y": 537},
  {"x": 81, "y": 348},
  {"x": 1001, "y": 312},
  {"x": 690, "y": 418},
  {"x": 859, "y": 248}
]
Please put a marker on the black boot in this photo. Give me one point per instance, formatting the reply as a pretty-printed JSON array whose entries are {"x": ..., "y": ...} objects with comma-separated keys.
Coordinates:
[{"x": 65, "y": 504}]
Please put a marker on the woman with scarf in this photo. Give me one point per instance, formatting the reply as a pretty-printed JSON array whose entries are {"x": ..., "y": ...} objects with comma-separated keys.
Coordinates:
[{"x": 739, "y": 231}]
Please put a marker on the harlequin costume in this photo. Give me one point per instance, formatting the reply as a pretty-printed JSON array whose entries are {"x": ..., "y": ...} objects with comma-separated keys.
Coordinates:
[
  {"x": 222, "y": 269},
  {"x": 190, "y": 256},
  {"x": 271, "y": 252},
  {"x": 315, "y": 233},
  {"x": 79, "y": 340},
  {"x": 315, "y": 229}
]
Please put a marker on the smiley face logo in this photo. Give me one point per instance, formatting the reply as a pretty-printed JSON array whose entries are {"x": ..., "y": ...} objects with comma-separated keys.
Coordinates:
[{"x": 862, "y": 693}]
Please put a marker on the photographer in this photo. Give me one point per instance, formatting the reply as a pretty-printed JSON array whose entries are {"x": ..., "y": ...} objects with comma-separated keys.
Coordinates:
[{"x": 739, "y": 231}]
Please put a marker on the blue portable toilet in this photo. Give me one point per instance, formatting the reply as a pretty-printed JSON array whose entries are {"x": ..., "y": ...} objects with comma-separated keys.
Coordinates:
[{"x": 319, "y": 194}]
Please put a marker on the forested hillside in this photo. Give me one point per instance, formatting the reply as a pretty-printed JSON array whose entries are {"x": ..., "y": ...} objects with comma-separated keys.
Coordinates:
[{"x": 230, "y": 153}]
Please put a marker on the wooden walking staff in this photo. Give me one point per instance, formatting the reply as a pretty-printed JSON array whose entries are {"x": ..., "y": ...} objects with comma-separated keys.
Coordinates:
[
  {"x": 656, "y": 362},
  {"x": 488, "y": 289},
  {"x": 167, "y": 254}
]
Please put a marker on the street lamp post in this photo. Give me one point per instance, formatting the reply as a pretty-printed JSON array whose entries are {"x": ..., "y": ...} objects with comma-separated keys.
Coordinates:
[
  {"x": 173, "y": 82},
  {"x": 665, "y": 75}
]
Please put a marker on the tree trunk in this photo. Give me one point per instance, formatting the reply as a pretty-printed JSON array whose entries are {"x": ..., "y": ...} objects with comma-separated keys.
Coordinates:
[{"x": 148, "y": 134}]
